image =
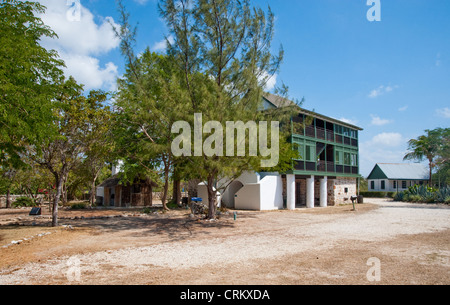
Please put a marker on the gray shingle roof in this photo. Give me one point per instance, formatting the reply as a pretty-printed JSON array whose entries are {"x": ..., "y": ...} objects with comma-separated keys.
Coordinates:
[{"x": 403, "y": 171}]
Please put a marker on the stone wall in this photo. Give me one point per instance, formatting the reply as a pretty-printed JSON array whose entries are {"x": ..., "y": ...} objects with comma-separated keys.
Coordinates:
[{"x": 337, "y": 190}]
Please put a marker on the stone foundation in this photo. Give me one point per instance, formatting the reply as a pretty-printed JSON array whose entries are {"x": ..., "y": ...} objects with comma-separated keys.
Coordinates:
[
  {"x": 335, "y": 188},
  {"x": 340, "y": 190}
]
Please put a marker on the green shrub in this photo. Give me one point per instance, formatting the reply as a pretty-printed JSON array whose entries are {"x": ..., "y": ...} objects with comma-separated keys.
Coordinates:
[
  {"x": 377, "y": 194},
  {"x": 399, "y": 196},
  {"x": 24, "y": 202},
  {"x": 415, "y": 198},
  {"x": 424, "y": 194},
  {"x": 79, "y": 206},
  {"x": 406, "y": 197}
]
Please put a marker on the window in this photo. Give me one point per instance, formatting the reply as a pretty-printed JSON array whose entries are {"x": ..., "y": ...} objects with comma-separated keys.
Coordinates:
[
  {"x": 347, "y": 160},
  {"x": 310, "y": 151},
  {"x": 354, "y": 160},
  {"x": 372, "y": 185},
  {"x": 383, "y": 184},
  {"x": 394, "y": 184},
  {"x": 403, "y": 184},
  {"x": 339, "y": 158},
  {"x": 346, "y": 132}
]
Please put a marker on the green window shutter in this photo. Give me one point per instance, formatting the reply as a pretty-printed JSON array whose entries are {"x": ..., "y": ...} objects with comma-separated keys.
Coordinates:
[
  {"x": 347, "y": 160},
  {"x": 301, "y": 150}
]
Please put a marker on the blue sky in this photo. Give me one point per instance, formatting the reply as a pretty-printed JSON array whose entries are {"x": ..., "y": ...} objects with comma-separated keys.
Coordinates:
[{"x": 390, "y": 77}]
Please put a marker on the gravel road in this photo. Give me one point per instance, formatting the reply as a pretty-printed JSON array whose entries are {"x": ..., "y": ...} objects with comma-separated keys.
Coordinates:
[{"x": 268, "y": 237}]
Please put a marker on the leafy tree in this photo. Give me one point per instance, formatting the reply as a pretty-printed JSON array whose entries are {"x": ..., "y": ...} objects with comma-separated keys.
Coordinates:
[
  {"x": 28, "y": 77},
  {"x": 223, "y": 50},
  {"x": 7, "y": 177},
  {"x": 443, "y": 159},
  {"x": 99, "y": 144},
  {"x": 75, "y": 128},
  {"x": 431, "y": 146},
  {"x": 148, "y": 104}
]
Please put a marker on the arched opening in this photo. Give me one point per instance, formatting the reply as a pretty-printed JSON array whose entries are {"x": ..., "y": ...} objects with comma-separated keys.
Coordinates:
[{"x": 234, "y": 187}]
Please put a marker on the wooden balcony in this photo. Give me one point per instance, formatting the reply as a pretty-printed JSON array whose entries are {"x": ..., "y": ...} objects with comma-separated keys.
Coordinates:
[{"x": 325, "y": 167}]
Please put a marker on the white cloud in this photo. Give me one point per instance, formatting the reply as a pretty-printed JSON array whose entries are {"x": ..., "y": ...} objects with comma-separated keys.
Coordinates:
[
  {"x": 80, "y": 42},
  {"x": 87, "y": 70},
  {"x": 377, "y": 121},
  {"x": 161, "y": 46},
  {"x": 271, "y": 82},
  {"x": 404, "y": 108},
  {"x": 382, "y": 148},
  {"x": 381, "y": 90},
  {"x": 444, "y": 112},
  {"x": 391, "y": 139},
  {"x": 349, "y": 121}
]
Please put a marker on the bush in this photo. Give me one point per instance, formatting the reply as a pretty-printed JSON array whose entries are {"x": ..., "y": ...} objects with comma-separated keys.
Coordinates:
[
  {"x": 24, "y": 202},
  {"x": 424, "y": 194},
  {"x": 414, "y": 198},
  {"x": 79, "y": 206},
  {"x": 399, "y": 196},
  {"x": 377, "y": 194}
]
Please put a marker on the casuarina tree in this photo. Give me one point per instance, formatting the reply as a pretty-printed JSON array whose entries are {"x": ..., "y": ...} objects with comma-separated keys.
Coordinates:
[{"x": 223, "y": 50}]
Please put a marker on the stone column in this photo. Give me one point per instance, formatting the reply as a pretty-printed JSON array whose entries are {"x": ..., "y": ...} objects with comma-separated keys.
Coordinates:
[
  {"x": 310, "y": 192},
  {"x": 324, "y": 192},
  {"x": 290, "y": 192}
]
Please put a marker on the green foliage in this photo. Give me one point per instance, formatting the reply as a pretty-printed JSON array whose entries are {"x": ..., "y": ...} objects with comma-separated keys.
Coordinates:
[
  {"x": 24, "y": 202},
  {"x": 79, "y": 206},
  {"x": 28, "y": 77},
  {"x": 368, "y": 194},
  {"x": 223, "y": 51},
  {"x": 434, "y": 146},
  {"x": 424, "y": 194}
]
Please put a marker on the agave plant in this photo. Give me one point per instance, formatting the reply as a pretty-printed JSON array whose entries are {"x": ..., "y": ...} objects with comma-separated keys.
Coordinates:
[
  {"x": 443, "y": 195},
  {"x": 399, "y": 196}
]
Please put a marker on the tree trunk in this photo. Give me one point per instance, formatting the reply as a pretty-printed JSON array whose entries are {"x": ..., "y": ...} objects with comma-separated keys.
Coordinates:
[
  {"x": 431, "y": 171},
  {"x": 166, "y": 188},
  {"x": 8, "y": 198},
  {"x": 211, "y": 198},
  {"x": 59, "y": 185},
  {"x": 176, "y": 195},
  {"x": 93, "y": 190},
  {"x": 64, "y": 191}
]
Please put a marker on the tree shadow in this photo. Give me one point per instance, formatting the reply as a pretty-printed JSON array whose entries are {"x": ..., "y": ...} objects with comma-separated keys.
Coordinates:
[{"x": 169, "y": 228}]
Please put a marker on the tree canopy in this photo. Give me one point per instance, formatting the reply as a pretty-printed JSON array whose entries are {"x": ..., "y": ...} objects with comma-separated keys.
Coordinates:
[
  {"x": 28, "y": 77},
  {"x": 433, "y": 146}
]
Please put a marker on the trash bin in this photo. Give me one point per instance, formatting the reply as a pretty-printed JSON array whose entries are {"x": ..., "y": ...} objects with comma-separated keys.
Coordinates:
[
  {"x": 197, "y": 207},
  {"x": 360, "y": 199}
]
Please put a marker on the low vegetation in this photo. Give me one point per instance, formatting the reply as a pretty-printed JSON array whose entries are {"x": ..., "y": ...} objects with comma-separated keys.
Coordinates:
[{"x": 424, "y": 194}]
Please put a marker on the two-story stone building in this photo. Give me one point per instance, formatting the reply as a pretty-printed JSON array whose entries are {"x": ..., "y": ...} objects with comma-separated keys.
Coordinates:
[{"x": 326, "y": 174}]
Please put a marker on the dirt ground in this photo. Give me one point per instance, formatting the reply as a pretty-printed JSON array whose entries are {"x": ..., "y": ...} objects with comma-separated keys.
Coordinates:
[{"x": 318, "y": 246}]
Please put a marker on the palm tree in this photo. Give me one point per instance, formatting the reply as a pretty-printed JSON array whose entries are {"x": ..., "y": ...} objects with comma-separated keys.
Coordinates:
[{"x": 425, "y": 147}]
